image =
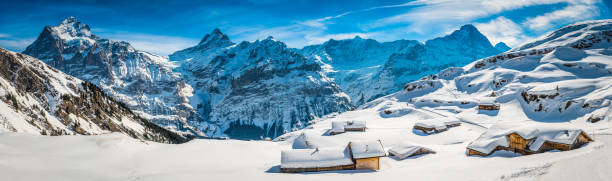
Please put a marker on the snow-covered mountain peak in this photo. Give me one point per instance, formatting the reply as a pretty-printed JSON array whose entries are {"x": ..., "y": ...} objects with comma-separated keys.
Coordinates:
[
  {"x": 466, "y": 34},
  {"x": 71, "y": 28},
  {"x": 212, "y": 44},
  {"x": 502, "y": 47},
  {"x": 216, "y": 37}
]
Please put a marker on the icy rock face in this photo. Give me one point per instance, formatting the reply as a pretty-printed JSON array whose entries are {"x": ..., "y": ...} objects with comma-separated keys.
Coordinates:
[
  {"x": 256, "y": 89},
  {"x": 143, "y": 81},
  {"x": 459, "y": 48},
  {"x": 366, "y": 69},
  {"x": 352, "y": 63},
  {"x": 36, "y": 98}
]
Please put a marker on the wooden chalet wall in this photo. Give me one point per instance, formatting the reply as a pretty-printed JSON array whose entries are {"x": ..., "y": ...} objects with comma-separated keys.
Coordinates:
[
  {"x": 517, "y": 143},
  {"x": 317, "y": 169},
  {"x": 488, "y": 107},
  {"x": 368, "y": 163}
]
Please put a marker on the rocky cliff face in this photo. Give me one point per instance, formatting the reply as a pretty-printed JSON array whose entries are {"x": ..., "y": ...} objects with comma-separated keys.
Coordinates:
[
  {"x": 143, "y": 81},
  {"x": 36, "y": 98},
  {"x": 258, "y": 89}
]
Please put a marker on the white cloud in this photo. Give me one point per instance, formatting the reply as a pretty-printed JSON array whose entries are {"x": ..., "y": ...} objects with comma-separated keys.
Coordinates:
[
  {"x": 17, "y": 45},
  {"x": 311, "y": 31},
  {"x": 3, "y": 35},
  {"x": 318, "y": 39},
  {"x": 157, "y": 44},
  {"x": 572, "y": 13},
  {"x": 438, "y": 12},
  {"x": 502, "y": 29}
]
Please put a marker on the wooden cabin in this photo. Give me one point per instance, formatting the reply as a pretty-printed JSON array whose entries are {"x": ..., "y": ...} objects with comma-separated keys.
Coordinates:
[
  {"x": 339, "y": 127},
  {"x": 488, "y": 106},
  {"x": 539, "y": 142},
  {"x": 366, "y": 154},
  {"x": 488, "y": 103},
  {"x": 316, "y": 160},
  {"x": 355, "y": 126},
  {"x": 437, "y": 125},
  {"x": 405, "y": 150},
  {"x": 581, "y": 139}
]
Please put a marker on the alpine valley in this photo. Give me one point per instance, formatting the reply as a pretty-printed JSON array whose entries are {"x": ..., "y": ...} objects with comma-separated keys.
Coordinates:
[{"x": 251, "y": 90}]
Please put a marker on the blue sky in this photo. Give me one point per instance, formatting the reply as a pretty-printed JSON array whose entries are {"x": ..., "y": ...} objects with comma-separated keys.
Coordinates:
[{"x": 163, "y": 27}]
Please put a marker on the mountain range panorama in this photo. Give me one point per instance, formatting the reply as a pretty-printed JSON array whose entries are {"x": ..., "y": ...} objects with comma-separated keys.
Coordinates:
[{"x": 251, "y": 90}]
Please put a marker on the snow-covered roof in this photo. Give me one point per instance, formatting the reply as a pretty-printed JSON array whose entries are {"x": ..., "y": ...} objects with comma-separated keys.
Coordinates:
[
  {"x": 355, "y": 124},
  {"x": 315, "y": 158},
  {"x": 487, "y": 101},
  {"x": 404, "y": 150},
  {"x": 438, "y": 123},
  {"x": 303, "y": 142},
  {"x": 367, "y": 149},
  {"x": 566, "y": 137},
  {"x": 338, "y": 126},
  {"x": 496, "y": 136}
]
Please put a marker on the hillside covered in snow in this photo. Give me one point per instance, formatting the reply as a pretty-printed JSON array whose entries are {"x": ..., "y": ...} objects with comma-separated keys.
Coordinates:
[{"x": 36, "y": 98}]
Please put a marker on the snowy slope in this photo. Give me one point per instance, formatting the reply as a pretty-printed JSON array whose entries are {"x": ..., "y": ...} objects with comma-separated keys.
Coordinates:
[
  {"x": 36, "y": 98},
  {"x": 255, "y": 89},
  {"x": 143, "y": 81},
  {"x": 366, "y": 69}
]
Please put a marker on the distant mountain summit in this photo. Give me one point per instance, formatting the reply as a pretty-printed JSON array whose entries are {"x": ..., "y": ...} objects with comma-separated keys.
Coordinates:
[
  {"x": 502, "y": 47},
  {"x": 366, "y": 69},
  {"x": 143, "y": 81}
]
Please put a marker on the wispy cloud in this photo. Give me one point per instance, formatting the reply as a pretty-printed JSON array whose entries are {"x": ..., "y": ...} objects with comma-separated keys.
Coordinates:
[
  {"x": 572, "y": 13},
  {"x": 157, "y": 44},
  {"x": 312, "y": 31},
  {"x": 436, "y": 11},
  {"x": 15, "y": 44},
  {"x": 502, "y": 29}
]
